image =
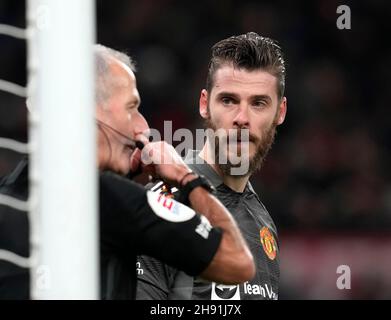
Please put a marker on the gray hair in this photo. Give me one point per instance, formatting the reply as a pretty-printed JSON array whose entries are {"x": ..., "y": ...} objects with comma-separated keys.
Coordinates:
[{"x": 104, "y": 82}]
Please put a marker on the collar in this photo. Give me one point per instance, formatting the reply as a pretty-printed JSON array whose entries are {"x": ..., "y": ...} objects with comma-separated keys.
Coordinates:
[{"x": 200, "y": 166}]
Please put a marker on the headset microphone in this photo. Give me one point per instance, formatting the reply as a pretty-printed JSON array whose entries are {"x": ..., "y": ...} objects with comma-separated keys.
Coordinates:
[{"x": 134, "y": 143}]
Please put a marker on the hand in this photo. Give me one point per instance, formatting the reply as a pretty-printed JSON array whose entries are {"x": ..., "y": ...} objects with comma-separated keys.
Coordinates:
[{"x": 162, "y": 161}]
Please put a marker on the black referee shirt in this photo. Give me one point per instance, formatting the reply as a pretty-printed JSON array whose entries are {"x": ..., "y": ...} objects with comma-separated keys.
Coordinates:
[
  {"x": 132, "y": 221},
  {"x": 159, "y": 281}
]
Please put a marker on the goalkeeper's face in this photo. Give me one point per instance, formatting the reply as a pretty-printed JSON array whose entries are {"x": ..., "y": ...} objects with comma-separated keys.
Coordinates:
[
  {"x": 122, "y": 114},
  {"x": 245, "y": 102}
]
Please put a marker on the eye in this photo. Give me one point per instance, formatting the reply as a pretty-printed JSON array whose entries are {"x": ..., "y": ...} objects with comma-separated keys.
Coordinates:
[
  {"x": 130, "y": 108},
  {"x": 228, "y": 100},
  {"x": 259, "y": 103}
]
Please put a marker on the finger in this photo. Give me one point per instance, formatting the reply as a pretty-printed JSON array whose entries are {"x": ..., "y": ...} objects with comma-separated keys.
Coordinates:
[{"x": 149, "y": 169}]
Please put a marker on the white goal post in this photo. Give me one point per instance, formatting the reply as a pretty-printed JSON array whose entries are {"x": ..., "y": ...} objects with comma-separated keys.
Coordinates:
[{"x": 62, "y": 147}]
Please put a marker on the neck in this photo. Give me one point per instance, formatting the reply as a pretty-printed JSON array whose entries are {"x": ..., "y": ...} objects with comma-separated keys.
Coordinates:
[{"x": 236, "y": 183}]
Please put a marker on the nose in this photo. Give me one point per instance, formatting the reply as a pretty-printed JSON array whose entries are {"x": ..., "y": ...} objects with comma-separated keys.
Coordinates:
[
  {"x": 241, "y": 119},
  {"x": 141, "y": 125}
]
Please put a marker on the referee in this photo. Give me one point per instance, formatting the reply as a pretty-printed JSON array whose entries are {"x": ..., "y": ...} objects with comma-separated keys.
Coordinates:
[
  {"x": 203, "y": 239},
  {"x": 244, "y": 91}
]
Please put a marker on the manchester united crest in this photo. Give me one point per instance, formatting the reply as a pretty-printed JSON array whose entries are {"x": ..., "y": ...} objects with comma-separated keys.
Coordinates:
[{"x": 268, "y": 243}]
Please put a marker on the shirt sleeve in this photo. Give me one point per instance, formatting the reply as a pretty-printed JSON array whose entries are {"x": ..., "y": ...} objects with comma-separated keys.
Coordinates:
[{"x": 152, "y": 224}]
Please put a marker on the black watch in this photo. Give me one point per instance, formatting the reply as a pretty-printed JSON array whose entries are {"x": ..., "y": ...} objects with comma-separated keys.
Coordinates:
[{"x": 200, "y": 181}]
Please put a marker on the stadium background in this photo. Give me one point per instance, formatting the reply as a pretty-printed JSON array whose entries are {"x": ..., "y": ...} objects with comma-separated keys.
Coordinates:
[{"x": 327, "y": 179}]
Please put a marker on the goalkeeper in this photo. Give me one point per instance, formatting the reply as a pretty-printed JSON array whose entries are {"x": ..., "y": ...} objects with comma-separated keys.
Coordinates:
[{"x": 244, "y": 94}]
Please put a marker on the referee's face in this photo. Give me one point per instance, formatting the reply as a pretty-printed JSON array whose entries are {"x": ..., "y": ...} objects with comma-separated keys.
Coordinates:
[
  {"x": 122, "y": 114},
  {"x": 242, "y": 99}
]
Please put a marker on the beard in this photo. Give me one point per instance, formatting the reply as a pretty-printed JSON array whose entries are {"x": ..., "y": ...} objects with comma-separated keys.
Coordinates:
[{"x": 262, "y": 148}]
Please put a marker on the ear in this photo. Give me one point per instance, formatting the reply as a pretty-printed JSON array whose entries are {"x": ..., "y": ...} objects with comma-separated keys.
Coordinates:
[
  {"x": 204, "y": 104},
  {"x": 282, "y": 110}
]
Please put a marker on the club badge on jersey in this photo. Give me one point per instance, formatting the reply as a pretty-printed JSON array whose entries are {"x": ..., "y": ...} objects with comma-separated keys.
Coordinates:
[{"x": 268, "y": 243}]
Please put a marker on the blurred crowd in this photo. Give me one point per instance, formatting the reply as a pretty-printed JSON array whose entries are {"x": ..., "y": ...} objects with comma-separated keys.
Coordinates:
[{"x": 329, "y": 166}]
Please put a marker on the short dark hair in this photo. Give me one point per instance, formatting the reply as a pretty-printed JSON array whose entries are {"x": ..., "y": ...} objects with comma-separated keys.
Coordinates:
[{"x": 249, "y": 51}]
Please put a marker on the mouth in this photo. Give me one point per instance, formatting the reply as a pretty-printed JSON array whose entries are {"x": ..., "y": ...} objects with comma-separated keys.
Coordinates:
[
  {"x": 250, "y": 139},
  {"x": 239, "y": 141},
  {"x": 130, "y": 148},
  {"x": 239, "y": 138}
]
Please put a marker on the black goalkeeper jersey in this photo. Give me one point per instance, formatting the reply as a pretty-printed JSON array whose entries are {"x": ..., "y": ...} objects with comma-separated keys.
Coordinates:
[
  {"x": 159, "y": 281},
  {"x": 132, "y": 221}
]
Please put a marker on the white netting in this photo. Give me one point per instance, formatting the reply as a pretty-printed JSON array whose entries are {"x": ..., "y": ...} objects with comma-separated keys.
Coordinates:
[{"x": 16, "y": 146}]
